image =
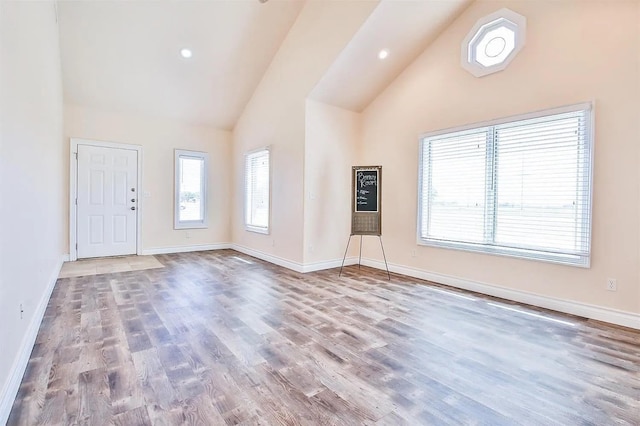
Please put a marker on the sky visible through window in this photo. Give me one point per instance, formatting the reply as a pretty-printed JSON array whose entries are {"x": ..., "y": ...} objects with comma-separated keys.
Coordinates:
[{"x": 191, "y": 170}]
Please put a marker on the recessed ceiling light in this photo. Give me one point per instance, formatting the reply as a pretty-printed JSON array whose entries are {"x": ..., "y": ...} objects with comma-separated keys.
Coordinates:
[
  {"x": 383, "y": 53},
  {"x": 186, "y": 53}
]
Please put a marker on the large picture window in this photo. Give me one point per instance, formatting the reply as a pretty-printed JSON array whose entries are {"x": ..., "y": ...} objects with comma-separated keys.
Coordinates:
[
  {"x": 518, "y": 187},
  {"x": 257, "y": 191},
  {"x": 190, "y": 189}
]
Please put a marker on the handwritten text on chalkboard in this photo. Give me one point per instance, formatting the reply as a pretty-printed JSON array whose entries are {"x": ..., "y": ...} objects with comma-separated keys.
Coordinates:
[{"x": 366, "y": 190}]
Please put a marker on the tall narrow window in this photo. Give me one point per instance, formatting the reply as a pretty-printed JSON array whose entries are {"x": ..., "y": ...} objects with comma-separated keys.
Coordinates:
[
  {"x": 518, "y": 187},
  {"x": 257, "y": 191},
  {"x": 190, "y": 189}
]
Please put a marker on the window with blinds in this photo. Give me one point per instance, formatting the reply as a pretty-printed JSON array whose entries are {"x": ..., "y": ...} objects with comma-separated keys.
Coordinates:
[
  {"x": 518, "y": 187},
  {"x": 257, "y": 191}
]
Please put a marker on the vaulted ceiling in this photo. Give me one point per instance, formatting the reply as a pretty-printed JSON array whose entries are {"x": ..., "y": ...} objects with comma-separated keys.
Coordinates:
[
  {"x": 403, "y": 29},
  {"x": 125, "y": 55}
]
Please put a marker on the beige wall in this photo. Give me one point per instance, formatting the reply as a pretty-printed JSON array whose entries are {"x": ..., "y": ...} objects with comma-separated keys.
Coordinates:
[
  {"x": 576, "y": 51},
  {"x": 275, "y": 116},
  {"x": 331, "y": 148},
  {"x": 31, "y": 178},
  {"x": 159, "y": 138}
]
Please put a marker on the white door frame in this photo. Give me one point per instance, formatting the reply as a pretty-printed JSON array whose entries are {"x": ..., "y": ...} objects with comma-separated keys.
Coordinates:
[{"x": 73, "y": 190}]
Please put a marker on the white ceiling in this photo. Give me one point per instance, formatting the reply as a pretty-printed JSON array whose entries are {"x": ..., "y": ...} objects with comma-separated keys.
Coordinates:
[
  {"x": 405, "y": 29},
  {"x": 124, "y": 56}
]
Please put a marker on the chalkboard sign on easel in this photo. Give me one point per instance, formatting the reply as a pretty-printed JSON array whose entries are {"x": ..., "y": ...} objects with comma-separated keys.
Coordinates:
[{"x": 366, "y": 211}]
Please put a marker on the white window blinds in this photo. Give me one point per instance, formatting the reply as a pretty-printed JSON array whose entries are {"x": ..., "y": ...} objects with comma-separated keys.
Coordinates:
[
  {"x": 257, "y": 191},
  {"x": 520, "y": 188}
]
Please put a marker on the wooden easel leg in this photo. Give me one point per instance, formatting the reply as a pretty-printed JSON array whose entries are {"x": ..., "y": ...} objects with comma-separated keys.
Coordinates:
[
  {"x": 385, "y": 258},
  {"x": 345, "y": 255},
  {"x": 360, "y": 255}
]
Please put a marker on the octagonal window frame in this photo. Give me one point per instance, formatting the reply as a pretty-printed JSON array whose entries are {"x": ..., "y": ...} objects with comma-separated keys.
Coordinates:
[{"x": 503, "y": 18}]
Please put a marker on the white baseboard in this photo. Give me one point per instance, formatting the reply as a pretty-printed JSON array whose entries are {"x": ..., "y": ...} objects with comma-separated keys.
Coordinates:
[
  {"x": 185, "y": 249},
  {"x": 294, "y": 266},
  {"x": 328, "y": 264},
  {"x": 280, "y": 261},
  {"x": 12, "y": 385},
  {"x": 613, "y": 316}
]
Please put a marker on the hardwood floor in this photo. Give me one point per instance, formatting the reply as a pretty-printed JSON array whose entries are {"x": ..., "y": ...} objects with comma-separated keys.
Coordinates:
[{"x": 217, "y": 338}]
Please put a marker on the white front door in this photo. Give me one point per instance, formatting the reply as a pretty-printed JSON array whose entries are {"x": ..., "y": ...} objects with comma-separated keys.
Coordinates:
[{"x": 107, "y": 196}]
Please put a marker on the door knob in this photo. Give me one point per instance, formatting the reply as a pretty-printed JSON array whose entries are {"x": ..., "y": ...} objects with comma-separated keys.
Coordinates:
[{"x": 133, "y": 208}]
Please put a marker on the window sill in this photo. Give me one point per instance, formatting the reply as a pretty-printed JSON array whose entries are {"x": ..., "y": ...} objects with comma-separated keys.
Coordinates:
[
  {"x": 190, "y": 225},
  {"x": 257, "y": 229},
  {"x": 526, "y": 254}
]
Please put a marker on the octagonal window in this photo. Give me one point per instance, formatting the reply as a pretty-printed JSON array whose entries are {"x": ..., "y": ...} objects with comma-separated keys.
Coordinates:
[
  {"x": 493, "y": 46},
  {"x": 493, "y": 42}
]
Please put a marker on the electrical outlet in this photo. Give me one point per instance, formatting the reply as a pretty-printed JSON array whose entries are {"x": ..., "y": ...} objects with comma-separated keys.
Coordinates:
[
  {"x": 413, "y": 253},
  {"x": 612, "y": 284},
  {"x": 187, "y": 234}
]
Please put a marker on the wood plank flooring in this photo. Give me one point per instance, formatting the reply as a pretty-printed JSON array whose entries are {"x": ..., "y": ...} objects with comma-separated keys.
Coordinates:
[{"x": 220, "y": 338}]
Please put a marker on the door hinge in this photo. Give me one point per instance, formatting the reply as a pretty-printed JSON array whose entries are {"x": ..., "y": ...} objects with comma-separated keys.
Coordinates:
[
  {"x": 76, "y": 155},
  {"x": 76, "y": 201},
  {"x": 76, "y": 246}
]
